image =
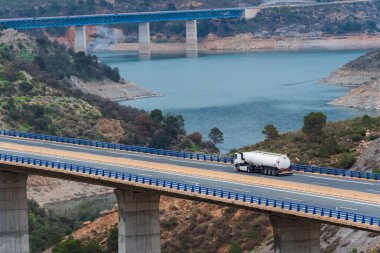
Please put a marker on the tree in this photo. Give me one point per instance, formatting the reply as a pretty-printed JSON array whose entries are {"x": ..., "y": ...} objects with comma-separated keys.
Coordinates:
[
  {"x": 156, "y": 116},
  {"x": 270, "y": 131},
  {"x": 313, "y": 126},
  {"x": 216, "y": 135},
  {"x": 235, "y": 248},
  {"x": 196, "y": 137}
]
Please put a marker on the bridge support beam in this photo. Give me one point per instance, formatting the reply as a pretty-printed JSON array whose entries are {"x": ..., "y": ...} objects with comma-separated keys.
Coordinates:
[
  {"x": 191, "y": 36},
  {"x": 293, "y": 235},
  {"x": 139, "y": 222},
  {"x": 14, "y": 234},
  {"x": 144, "y": 38},
  {"x": 80, "y": 41}
]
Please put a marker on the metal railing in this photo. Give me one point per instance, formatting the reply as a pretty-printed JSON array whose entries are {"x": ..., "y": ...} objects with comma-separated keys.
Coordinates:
[
  {"x": 200, "y": 190},
  {"x": 186, "y": 155}
]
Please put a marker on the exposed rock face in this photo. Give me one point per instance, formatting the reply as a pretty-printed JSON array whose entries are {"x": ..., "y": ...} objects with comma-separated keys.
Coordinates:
[
  {"x": 122, "y": 90},
  {"x": 349, "y": 77},
  {"x": 362, "y": 73},
  {"x": 366, "y": 95},
  {"x": 370, "y": 157},
  {"x": 45, "y": 190}
]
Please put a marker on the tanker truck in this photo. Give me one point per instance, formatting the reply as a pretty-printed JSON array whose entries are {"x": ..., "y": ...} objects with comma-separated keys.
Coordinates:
[{"x": 262, "y": 162}]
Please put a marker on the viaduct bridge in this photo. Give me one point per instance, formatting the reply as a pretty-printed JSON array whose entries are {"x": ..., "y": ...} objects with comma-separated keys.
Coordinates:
[
  {"x": 142, "y": 18},
  {"x": 297, "y": 204}
]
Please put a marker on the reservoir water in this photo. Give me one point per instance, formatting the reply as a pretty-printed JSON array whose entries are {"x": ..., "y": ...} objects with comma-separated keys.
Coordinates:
[{"x": 239, "y": 93}]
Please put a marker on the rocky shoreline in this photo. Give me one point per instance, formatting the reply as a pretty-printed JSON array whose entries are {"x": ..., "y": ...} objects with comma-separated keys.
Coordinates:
[
  {"x": 123, "y": 90},
  {"x": 365, "y": 92}
]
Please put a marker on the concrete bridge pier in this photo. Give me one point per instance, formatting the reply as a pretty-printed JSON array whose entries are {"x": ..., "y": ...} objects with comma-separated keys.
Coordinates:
[
  {"x": 144, "y": 38},
  {"x": 80, "y": 42},
  {"x": 293, "y": 235},
  {"x": 139, "y": 222},
  {"x": 191, "y": 36},
  {"x": 14, "y": 234}
]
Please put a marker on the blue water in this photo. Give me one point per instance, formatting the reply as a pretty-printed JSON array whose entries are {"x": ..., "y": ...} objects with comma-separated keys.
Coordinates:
[{"x": 239, "y": 93}]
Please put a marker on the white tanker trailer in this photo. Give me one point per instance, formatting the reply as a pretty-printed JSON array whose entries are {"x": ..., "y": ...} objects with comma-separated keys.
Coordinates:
[{"x": 262, "y": 162}]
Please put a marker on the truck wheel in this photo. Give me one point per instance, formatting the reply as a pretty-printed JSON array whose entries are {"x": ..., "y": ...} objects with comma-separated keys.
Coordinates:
[
  {"x": 266, "y": 171},
  {"x": 237, "y": 167},
  {"x": 276, "y": 173}
]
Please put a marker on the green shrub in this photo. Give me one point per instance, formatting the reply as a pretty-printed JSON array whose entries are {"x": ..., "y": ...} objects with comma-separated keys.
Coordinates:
[
  {"x": 356, "y": 137},
  {"x": 235, "y": 248},
  {"x": 373, "y": 137},
  {"x": 112, "y": 240},
  {"x": 346, "y": 160},
  {"x": 329, "y": 147},
  {"x": 72, "y": 245}
]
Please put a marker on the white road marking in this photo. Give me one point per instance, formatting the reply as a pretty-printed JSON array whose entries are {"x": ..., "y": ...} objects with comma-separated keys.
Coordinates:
[
  {"x": 348, "y": 208},
  {"x": 341, "y": 180},
  {"x": 320, "y": 183},
  {"x": 373, "y": 191},
  {"x": 186, "y": 161},
  {"x": 240, "y": 190},
  {"x": 145, "y": 175},
  {"x": 221, "y": 181},
  {"x": 191, "y": 182},
  {"x": 294, "y": 199}
]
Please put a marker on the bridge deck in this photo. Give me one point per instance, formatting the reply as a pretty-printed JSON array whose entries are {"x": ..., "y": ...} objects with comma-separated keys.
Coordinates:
[
  {"x": 112, "y": 160},
  {"x": 120, "y": 18}
]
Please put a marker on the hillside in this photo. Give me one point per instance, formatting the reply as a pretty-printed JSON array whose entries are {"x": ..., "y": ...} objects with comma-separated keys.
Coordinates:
[
  {"x": 363, "y": 74},
  {"x": 341, "y": 142},
  {"x": 37, "y": 95}
]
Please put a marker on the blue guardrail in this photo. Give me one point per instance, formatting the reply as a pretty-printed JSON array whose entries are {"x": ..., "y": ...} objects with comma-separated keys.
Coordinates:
[
  {"x": 186, "y": 155},
  {"x": 217, "y": 193}
]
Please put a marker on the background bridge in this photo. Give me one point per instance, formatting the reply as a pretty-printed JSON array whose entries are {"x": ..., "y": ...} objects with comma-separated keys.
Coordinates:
[
  {"x": 297, "y": 204},
  {"x": 143, "y": 19}
]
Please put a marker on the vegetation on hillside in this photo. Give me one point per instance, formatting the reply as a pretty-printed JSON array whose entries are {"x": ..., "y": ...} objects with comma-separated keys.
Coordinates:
[
  {"x": 46, "y": 228},
  {"x": 327, "y": 144},
  {"x": 38, "y": 96}
]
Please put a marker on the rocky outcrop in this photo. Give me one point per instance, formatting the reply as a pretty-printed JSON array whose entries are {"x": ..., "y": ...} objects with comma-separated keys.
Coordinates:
[
  {"x": 366, "y": 96},
  {"x": 350, "y": 77},
  {"x": 369, "y": 158},
  {"x": 109, "y": 89}
]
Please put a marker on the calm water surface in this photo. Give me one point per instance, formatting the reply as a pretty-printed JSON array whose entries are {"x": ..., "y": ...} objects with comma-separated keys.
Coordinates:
[{"x": 239, "y": 93}]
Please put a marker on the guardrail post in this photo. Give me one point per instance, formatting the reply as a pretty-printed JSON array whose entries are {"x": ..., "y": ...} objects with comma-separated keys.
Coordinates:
[
  {"x": 214, "y": 193},
  {"x": 259, "y": 201},
  {"x": 236, "y": 196},
  {"x": 206, "y": 191},
  {"x": 192, "y": 188},
  {"x": 185, "y": 187}
]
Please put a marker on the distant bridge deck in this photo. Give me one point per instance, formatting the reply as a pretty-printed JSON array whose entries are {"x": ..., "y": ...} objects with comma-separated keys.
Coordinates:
[
  {"x": 199, "y": 180},
  {"x": 120, "y": 18}
]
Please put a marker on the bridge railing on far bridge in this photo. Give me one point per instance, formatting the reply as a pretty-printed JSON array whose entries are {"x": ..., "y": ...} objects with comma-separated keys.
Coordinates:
[
  {"x": 186, "y": 155},
  {"x": 217, "y": 194}
]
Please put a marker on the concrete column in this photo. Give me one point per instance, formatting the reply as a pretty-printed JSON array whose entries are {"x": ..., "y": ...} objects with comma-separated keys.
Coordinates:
[
  {"x": 144, "y": 38},
  {"x": 295, "y": 235},
  {"x": 191, "y": 35},
  {"x": 80, "y": 43},
  {"x": 14, "y": 234},
  {"x": 139, "y": 222}
]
